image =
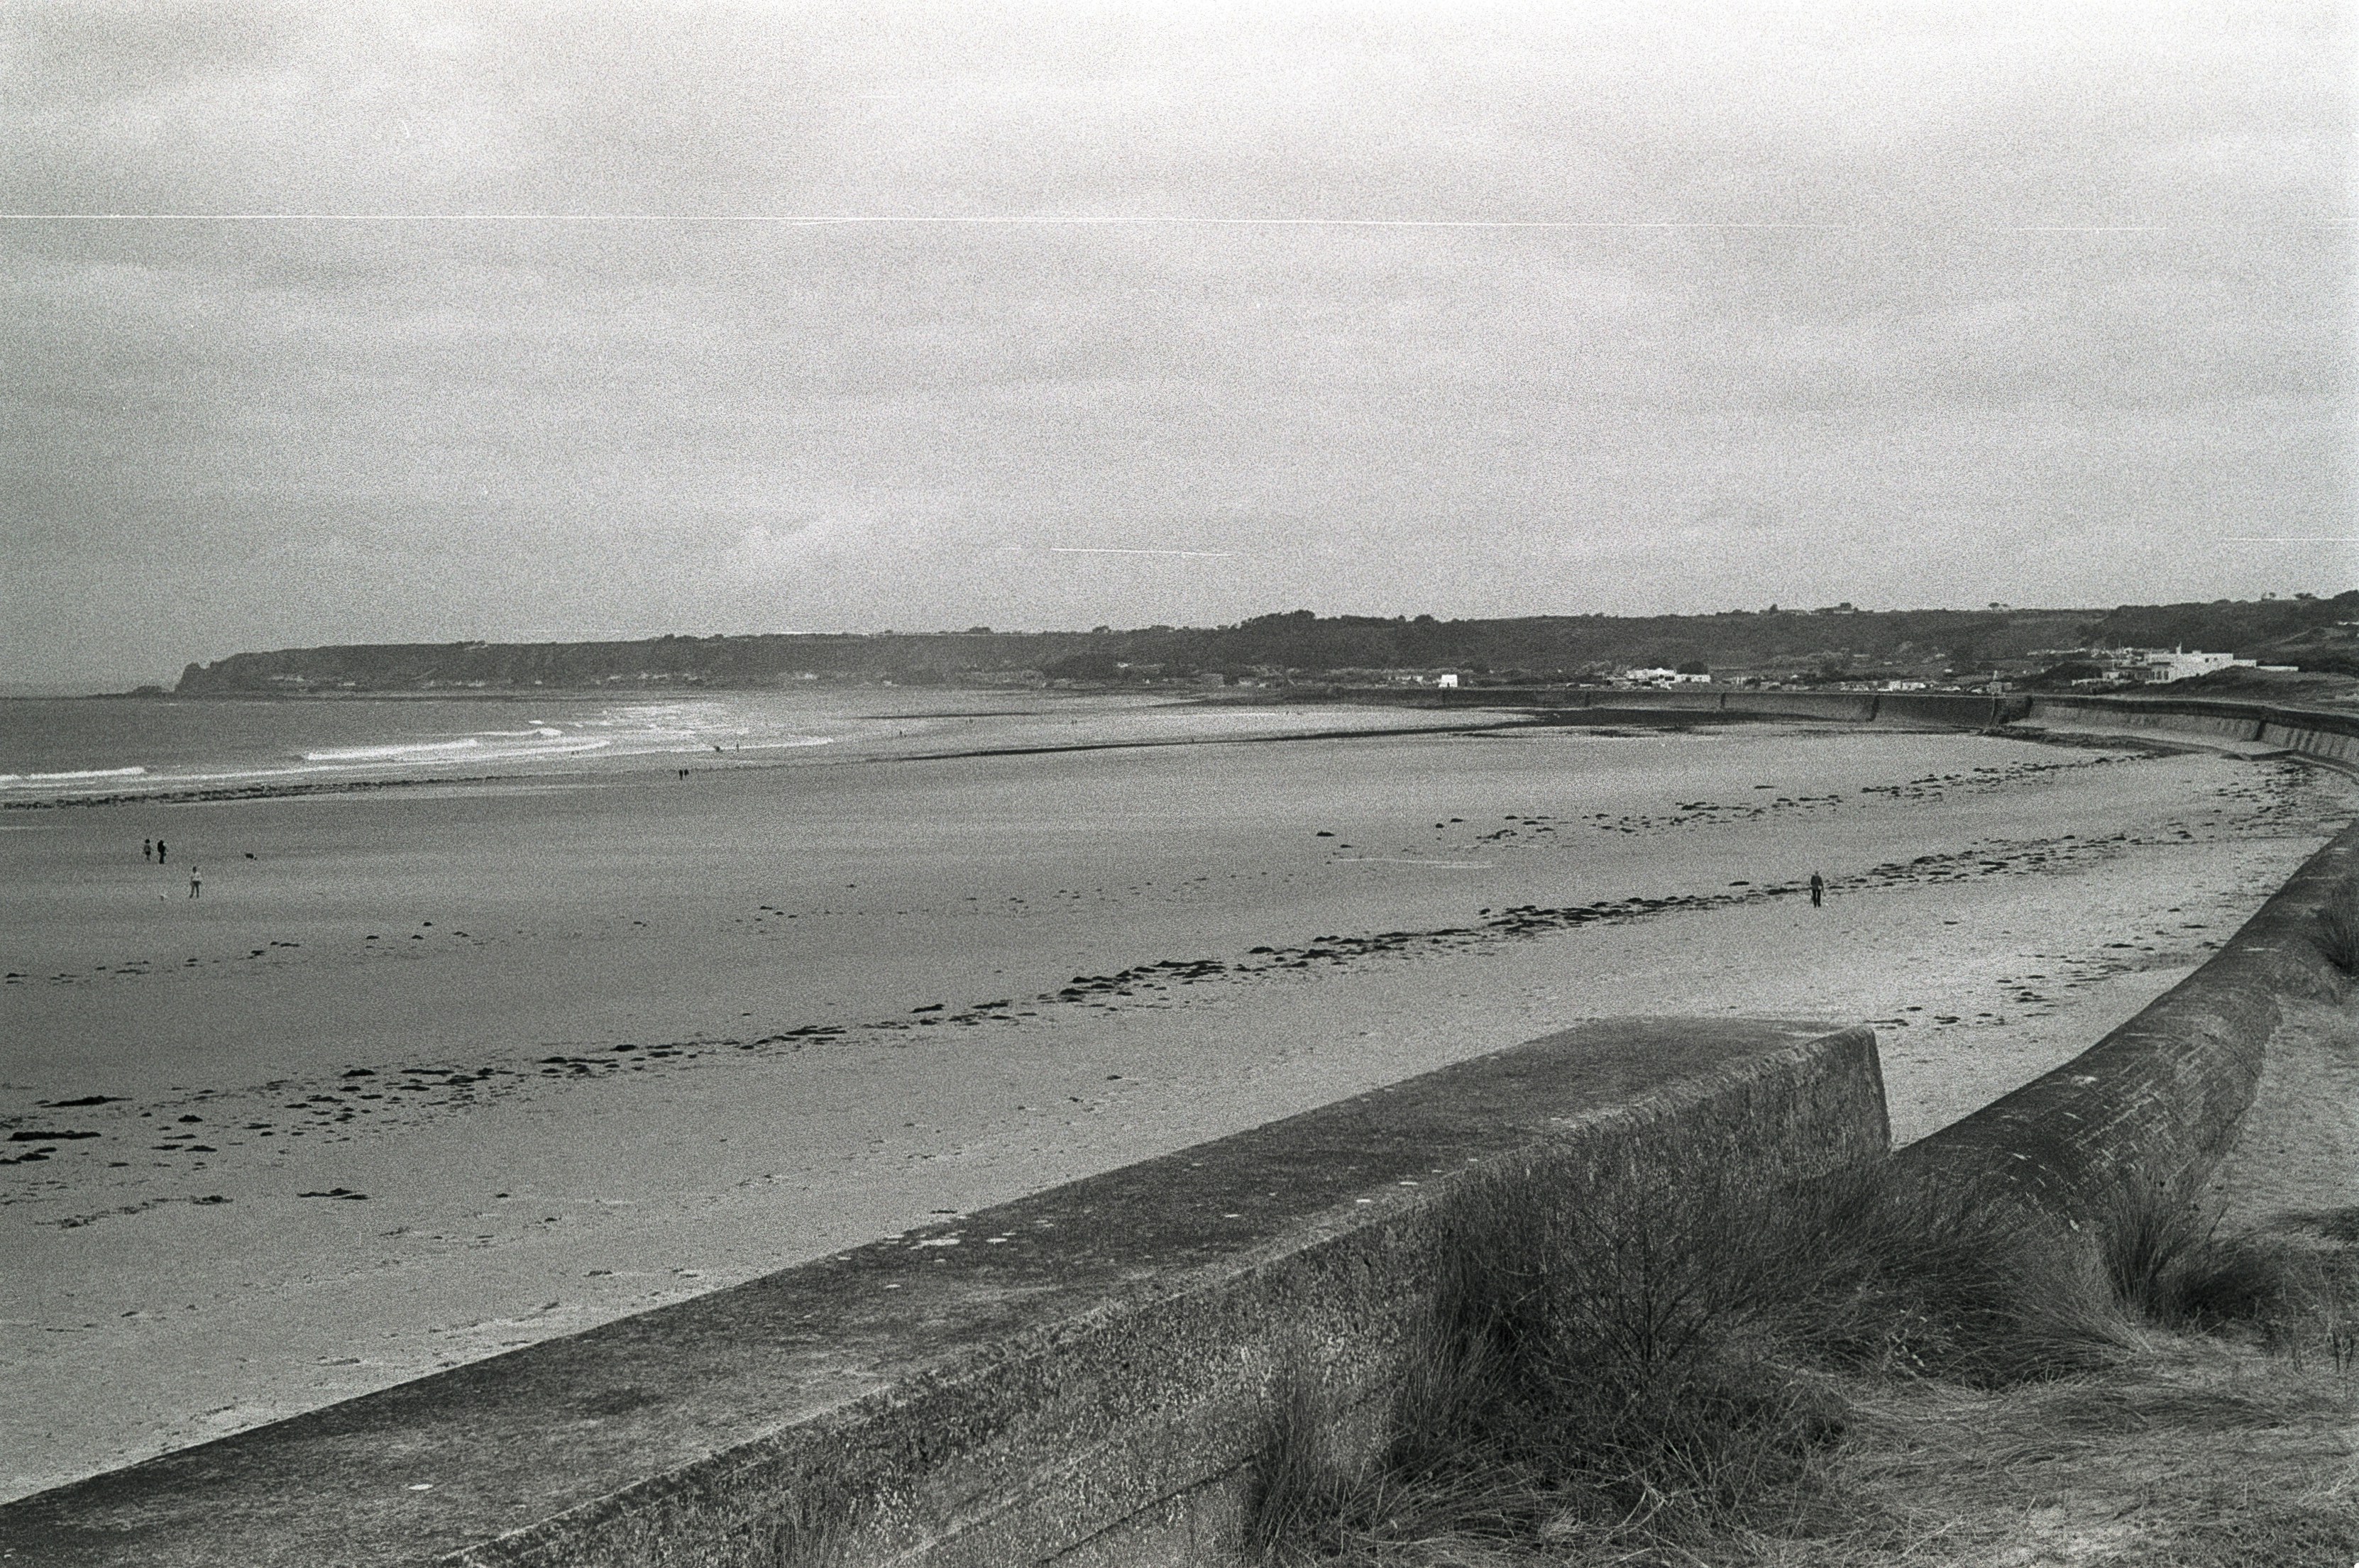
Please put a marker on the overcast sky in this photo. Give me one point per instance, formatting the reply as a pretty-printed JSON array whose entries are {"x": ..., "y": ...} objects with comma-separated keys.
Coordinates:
[{"x": 419, "y": 321}]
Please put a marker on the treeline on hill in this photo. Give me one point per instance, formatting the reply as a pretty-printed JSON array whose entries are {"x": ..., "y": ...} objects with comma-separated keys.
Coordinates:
[
  {"x": 1300, "y": 642},
  {"x": 2315, "y": 633}
]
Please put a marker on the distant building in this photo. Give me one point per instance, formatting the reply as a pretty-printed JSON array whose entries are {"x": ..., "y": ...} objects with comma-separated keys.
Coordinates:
[
  {"x": 1449, "y": 678},
  {"x": 2154, "y": 667}
]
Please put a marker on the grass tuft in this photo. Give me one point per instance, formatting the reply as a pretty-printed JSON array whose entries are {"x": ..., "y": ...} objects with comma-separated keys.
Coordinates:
[
  {"x": 1652, "y": 1365},
  {"x": 1666, "y": 1367},
  {"x": 2168, "y": 1266},
  {"x": 2337, "y": 928},
  {"x": 1874, "y": 1271},
  {"x": 2148, "y": 1236}
]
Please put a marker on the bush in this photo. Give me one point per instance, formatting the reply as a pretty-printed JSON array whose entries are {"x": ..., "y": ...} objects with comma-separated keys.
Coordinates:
[
  {"x": 1644, "y": 1362},
  {"x": 2148, "y": 1235},
  {"x": 1889, "y": 1272},
  {"x": 2337, "y": 932},
  {"x": 2168, "y": 1265}
]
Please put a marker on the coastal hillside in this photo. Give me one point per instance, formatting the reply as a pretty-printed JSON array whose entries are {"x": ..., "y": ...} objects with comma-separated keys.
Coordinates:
[{"x": 1832, "y": 643}]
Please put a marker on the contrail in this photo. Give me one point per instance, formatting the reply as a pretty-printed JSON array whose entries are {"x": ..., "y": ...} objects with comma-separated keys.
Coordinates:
[
  {"x": 824, "y": 219},
  {"x": 1121, "y": 550}
]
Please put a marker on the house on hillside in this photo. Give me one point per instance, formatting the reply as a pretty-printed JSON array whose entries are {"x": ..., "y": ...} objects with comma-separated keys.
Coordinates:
[{"x": 2155, "y": 666}]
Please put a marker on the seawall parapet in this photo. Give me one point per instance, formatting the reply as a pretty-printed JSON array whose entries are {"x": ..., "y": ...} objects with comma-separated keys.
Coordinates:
[
  {"x": 1703, "y": 704},
  {"x": 1082, "y": 1376},
  {"x": 2161, "y": 1099},
  {"x": 2315, "y": 733}
]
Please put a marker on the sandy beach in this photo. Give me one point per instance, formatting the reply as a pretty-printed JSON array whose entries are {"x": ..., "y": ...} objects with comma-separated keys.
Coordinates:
[{"x": 429, "y": 1074}]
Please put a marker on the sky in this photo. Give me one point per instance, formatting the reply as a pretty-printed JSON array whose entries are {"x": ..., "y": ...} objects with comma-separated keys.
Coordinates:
[{"x": 413, "y": 321}]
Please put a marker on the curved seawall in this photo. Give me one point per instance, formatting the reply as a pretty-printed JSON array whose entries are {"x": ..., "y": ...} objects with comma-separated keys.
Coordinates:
[
  {"x": 2161, "y": 1099},
  {"x": 2315, "y": 733},
  {"x": 2312, "y": 732}
]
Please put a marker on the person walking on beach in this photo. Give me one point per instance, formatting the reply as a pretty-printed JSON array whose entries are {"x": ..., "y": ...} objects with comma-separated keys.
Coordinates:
[
  {"x": 159, "y": 851},
  {"x": 147, "y": 848},
  {"x": 1818, "y": 890},
  {"x": 196, "y": 882}
]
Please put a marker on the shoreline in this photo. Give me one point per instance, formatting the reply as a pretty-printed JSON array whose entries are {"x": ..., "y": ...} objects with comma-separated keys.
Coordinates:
[{"x": 731, "y": 764}]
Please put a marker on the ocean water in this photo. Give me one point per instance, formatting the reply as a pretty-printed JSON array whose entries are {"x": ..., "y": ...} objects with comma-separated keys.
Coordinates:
[
  {"x": 56, "y": 748},
  {"x": 68, "y": 748}
]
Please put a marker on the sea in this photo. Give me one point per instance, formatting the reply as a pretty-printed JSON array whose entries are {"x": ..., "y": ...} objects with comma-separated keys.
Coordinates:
[
  {"x": 63, "y": 748},
  {"x": 60, "y": 748}
]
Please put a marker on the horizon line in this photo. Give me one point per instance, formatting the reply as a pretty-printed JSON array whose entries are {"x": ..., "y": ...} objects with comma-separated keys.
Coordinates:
[{"x": 824, "y": 219}]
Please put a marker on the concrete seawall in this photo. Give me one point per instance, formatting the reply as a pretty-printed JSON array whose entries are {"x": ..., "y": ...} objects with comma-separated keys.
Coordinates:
[
  {"x": 1705, "y": 705},
  {"x": 2314, "y": 732},
  {"x": 2161, "y": 1099},
  {"x": 1081, "y": 1377},
  {"x": 1954, "y": 711},
  {"x": 2330, "y": 736}
]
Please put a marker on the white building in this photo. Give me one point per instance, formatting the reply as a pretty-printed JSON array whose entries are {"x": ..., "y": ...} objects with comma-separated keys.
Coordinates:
[{"x": 2157, "y": 667}]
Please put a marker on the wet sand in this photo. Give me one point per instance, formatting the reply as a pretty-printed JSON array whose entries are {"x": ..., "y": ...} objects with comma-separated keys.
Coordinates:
[{"x": 448, "y": 1070}]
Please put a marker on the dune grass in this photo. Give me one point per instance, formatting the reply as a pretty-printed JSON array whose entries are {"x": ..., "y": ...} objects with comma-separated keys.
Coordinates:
[
  {"x": 2337, "y": 932},
  {"x": 1670, "y": 1369}
]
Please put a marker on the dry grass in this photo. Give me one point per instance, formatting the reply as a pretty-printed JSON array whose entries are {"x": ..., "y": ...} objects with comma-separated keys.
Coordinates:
[
  {"x": 1855, "y": 1372},
  {"x": 2337, "y": 932},
  {"x": 2196, "y": 1450},
  {"x": 2167, "y": 1264}
]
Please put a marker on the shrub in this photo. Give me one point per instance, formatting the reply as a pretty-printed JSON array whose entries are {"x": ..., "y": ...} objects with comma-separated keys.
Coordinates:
[
  {"x": 1641, "y": 1362},
  {"x": 2337, "y": 932},
  {"x": 1914, "y": 1274},
  {"x": 2167, "y": 1264},
  {"x": 2148, "y": 1235}
]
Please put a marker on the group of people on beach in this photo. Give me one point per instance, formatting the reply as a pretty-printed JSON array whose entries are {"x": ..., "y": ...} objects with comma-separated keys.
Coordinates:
[{"x": 155, "y": 849}]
